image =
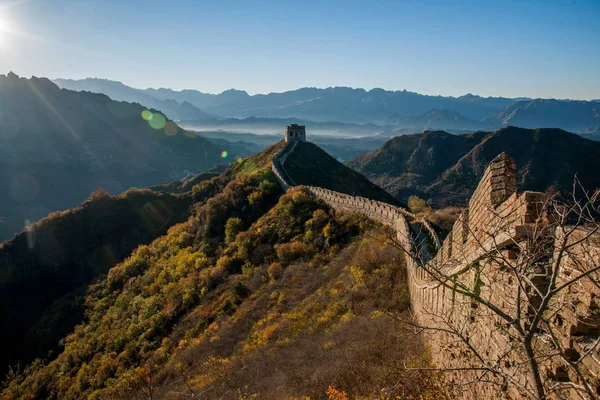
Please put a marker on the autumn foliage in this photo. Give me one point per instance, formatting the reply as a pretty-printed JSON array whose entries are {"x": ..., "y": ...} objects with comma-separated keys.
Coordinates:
[{"x": 252, "y": 281}]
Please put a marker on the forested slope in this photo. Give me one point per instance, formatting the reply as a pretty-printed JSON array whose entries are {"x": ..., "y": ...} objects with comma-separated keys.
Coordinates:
[{"x": 252, "y": 283}]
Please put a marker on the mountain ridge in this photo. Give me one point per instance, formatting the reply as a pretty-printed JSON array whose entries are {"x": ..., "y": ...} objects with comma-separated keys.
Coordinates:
[
  {"x": 436, "y": 119},
  {"x": 445, "y": 168},
  {"x": 320, "y": 103},
  {"x": 574, "y": 116},
  {"x": 401, "y": 109},
  {"x": 118, "y": 91},
  {"x": 57, "y": 146}
]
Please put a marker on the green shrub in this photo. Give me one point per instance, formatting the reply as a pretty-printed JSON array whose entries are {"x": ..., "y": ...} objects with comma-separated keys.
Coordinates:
[
  {"x": 232, "y": 228},
  {"x": 288, "y": 252},
  {"x": 417, "y": 205}
]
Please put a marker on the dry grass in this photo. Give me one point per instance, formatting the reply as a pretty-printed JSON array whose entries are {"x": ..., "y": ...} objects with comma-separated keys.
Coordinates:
[
  {"x": 323, "y": 322},
  {"x": 444, "y": 218}
]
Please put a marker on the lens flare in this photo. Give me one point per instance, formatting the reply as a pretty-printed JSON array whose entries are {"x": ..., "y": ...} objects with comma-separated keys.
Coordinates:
[
  {"x": 146, "y": 114},
  {"x": 157, "y": 121},
  {"x": 224, "y": 154},
  {"x": 155, "y": 214},
  {"x": 30, "y": 234},
  {"x": 171, "y": 128}
]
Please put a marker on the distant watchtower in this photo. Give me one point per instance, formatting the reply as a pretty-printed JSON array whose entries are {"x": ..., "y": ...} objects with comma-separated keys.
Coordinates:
[{"x": 295, "y": 132}]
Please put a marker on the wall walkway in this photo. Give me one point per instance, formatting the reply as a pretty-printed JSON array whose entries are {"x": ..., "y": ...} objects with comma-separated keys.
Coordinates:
[{"x": 496, "y": 219}]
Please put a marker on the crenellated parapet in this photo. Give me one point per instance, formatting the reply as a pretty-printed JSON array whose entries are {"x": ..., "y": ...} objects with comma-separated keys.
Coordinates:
[{"x": 485, "y": 237}]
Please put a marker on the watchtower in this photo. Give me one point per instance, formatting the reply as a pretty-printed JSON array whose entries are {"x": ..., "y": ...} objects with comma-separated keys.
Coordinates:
[{"x": 295, "y": 132}]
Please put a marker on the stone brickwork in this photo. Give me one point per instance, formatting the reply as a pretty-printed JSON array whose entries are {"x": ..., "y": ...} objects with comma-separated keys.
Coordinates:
[
  {"x": 295, "y": 132},
  {"x": 497, "y": 218},
  {"x": 277, "y": 167}
]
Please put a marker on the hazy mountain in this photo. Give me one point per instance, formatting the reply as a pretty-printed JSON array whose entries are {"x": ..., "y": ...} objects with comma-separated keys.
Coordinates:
[
  {"x": 354, "y": 105},
  {"x": 329, "y": 104},
  {"x": 440, "y": 119},
  {"x": 262, "y": 125},
  {"x": 351, "y": 112},
  {"x": 57, "y": 146},
  {"x": 446, "y": 168},
  {"x": 574, "y": 116},
  {"x": 117, "y": 91},
  {"x": 199, "y": 99}
]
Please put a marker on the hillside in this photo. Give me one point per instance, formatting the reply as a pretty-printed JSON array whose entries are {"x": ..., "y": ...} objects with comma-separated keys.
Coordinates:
[
  {"x": 252, "y": 281},
  {"x": 69, "y": 249},
  {"x": 445, "y": 168},
  {"x": 176, "y": 110},
  {"x": 408, "y": 164},
  {"x": 57, "y": 146},
  {"x": 74, "y": 248},
  {"x": 573, "y": 116},
  {"x": 184, "y": 185},
  {"x": 308, "y": 164}
]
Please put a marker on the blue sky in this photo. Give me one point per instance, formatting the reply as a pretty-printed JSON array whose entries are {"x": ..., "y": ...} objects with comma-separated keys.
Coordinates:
[{"x": 492, "y": 48}]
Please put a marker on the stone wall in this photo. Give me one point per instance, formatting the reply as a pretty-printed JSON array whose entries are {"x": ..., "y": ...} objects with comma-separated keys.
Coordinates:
[
  {"x": 277, "y": 167},
  {"x": 497, "y": 218}
]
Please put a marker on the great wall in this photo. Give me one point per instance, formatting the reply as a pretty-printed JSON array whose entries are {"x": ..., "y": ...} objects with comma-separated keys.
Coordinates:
[{"x": 487, "y": 237}]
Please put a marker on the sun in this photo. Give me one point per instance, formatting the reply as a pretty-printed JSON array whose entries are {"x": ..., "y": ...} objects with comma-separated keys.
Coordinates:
[{"x": 4, "y": 28}]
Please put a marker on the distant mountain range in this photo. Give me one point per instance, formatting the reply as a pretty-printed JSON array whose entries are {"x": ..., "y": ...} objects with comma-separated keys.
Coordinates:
[
  {"x": 331, "y": 104},
  {"x": 117, "y": 91},
  {"x": 355, "y": 105},
  {"x": 441, "y": 119},
  {"x": 446, "y": 168},
  {"x": 573, "y": 116},
  {"x": 352, "y": 112},
  {"x": 57, "y": 146}
]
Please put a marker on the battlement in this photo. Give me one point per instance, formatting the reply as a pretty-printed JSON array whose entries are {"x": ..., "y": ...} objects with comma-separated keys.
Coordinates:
[
  {"x": 496, "y": 213},
  {"x": 489, "y": 233}
]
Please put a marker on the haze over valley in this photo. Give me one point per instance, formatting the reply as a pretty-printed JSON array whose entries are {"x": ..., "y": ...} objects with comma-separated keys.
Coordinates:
[{"x": 354, "y": 112}]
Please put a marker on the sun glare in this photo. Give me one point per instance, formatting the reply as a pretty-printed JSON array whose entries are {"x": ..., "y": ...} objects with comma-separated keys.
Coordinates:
[{"x": 4, "y": 28}]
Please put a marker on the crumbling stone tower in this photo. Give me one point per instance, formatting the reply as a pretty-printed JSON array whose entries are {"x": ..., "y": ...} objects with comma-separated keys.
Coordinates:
[{"x": 295, "y": 132}]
